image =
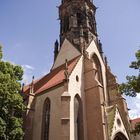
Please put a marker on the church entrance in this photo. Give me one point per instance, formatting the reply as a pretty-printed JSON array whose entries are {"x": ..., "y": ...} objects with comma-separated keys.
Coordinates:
[{"x": 120, "y": 136}]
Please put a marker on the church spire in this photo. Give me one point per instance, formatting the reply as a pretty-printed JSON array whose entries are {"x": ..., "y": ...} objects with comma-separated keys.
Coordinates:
[{"x": 77, "y": 16}]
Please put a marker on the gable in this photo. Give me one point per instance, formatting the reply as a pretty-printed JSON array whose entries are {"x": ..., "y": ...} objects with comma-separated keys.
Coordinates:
[
  {"x": 55, "y": 77},
  {"x": 92, "y": 49},
  {"x": 76, "y": 78},
  {"x": 118, "y": 125},
  {"x": 67, "y": 51}
]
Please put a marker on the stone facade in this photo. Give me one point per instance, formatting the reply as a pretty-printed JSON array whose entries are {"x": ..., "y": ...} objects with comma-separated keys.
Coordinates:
[
  {"x": 77, "y": 22},
  {"x": 78, "y": 99}
]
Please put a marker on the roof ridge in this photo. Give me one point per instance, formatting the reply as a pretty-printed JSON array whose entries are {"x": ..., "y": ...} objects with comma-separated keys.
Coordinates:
[
  {"x": 46, "y": 79},
  {"x": 69, "y": 62},
  {"x": 135, "y": 119}
]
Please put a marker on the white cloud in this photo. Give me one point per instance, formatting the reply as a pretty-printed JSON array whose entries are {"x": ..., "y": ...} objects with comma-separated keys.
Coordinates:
[
  {"x": 27, "y": 67},
  {"x": 28, "y": 73},
  {"x": 138, "y": 105},
  {"x": 134, "y": 104},
  {"x": 134, "y": 113},
  {"x": 138, "y": 96}
]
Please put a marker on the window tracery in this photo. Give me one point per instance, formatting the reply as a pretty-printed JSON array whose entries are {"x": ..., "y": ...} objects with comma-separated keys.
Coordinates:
[
  {"x": 46, "y": 119},
  {"x": 78, "y": 118},
  {"x": 98, "y": 68}
]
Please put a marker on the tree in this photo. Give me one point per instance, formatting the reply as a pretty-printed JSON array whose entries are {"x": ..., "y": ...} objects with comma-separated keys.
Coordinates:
[
  {"x": 11, "y": 102},
  {"x": 132, "y": 86}
]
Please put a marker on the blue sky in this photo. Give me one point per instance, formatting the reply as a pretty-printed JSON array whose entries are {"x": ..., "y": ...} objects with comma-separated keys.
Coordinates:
[{"x": 29, "y": 28}]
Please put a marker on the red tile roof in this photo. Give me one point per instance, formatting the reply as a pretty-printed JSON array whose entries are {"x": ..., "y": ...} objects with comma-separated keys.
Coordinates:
[
  {"x": 134, "y": 122},
  {"x": 52, "y": 79}
]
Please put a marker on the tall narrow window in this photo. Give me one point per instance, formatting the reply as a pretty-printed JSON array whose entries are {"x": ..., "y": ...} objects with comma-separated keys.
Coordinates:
[
  {"x": 46, "y": 120},
  {"x": 78, "y": 118},
  {"x": 66, "y": 24},
  {"x": 98, "y": 68}
]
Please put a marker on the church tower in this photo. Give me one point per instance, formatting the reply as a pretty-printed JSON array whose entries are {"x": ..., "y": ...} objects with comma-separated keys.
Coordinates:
[
  {"x": 77, "y": 22},
  {"x": 79, "y": 98}
]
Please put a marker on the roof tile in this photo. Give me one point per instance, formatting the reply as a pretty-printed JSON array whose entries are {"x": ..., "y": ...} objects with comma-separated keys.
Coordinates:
[
  {"x": 134, "y": 122},
  {"x": 52, "y": 79}
]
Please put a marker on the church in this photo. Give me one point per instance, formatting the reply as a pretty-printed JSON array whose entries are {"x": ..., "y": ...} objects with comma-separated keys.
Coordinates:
[{"x": 79, "y": 98}]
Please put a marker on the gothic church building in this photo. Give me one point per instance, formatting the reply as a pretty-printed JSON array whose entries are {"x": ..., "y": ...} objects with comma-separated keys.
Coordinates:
[{"x": 78, "y": 99}]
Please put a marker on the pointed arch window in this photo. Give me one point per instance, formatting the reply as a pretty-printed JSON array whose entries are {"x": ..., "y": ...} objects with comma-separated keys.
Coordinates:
[
  {"x": 78, "y": 118},
  {"x": 98, "y": 68},
  {"x": 46, "y": 119}
]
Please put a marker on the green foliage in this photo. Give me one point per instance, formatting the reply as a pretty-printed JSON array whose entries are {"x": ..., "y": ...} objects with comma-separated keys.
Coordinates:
[
  {"x": 11, "y": 102},
  {"x": 136, "y": 64},
  {"x": 132, "y": 86},
  {"x": 2, "y": 127},
  {"x": 136, "y": 131}
]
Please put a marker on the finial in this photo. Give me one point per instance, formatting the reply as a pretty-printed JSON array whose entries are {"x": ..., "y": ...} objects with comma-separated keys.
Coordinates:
[
  {"x": 56, "y": 49},
  {"x": 23, "y": 85},
  {"x": 83, "y": 48},
  {"x": 66, "y": 74},
  {"x": 32, "y": 85},
  {"x": 81, "y": 31},
  {"x": 100, "y": 47},
  {"x": 106, "y": 62},
  {"x": 22, "y": 88},
  {"x": 33, "y": 77},
  {"x": 56, "y": 43},
  {"x": 66, "y": 64}
]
